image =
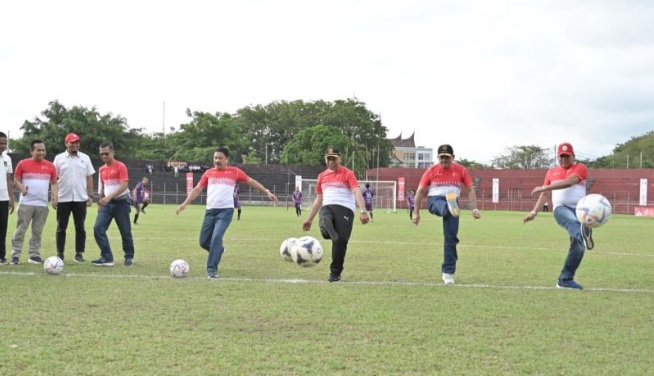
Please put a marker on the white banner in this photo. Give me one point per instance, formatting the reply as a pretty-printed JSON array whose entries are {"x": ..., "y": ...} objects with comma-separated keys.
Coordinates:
[
  {"x": 496, "y": 190},
  {"x": 643, "y": 192},
  {"x": 298, "y": 181}
]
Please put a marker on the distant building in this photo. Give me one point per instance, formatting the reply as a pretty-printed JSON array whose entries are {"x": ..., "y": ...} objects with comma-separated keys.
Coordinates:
[{"x": 406, "y": 154}]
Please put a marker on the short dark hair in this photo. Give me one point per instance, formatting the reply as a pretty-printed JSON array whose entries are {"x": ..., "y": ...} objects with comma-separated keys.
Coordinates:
[
  {"x": 3, "y": 135},
  {"x": 107, "y": 145},
  {"x": 34, "y": 142},
  {"x": 222, "y": 149},
  {"x": 367, "y": 185}
]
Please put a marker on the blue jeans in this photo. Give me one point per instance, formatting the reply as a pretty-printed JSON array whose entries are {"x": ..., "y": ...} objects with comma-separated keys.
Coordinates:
[
  {"x": 216, "y": 222},
  {"x": 438, "y": 206},
  {"x": 566, "y": 217},
  {"x": 118, "y": 210}
]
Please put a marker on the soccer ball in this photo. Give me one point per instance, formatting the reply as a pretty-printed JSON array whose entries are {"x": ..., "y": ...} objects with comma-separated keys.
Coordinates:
[
  {"x": 593, "y": 210},
  {"x": 306, "y": 251},
  {"x": 285, "y": 249},
  {"x": 53, "y": 265},
  {"x": 179, "y": 268}
]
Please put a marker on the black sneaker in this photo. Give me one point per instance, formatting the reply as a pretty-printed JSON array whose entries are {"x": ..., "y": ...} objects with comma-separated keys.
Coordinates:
[
  {"x": 129, "y": 262},
  {"x": 3, "y": 262},
  {"x": 587, "y": 236},
  {"x": 35, "y": 260},
  {"x": 79, "y": 258},
  {"x": 61, "y": 256},
  {"x": 334, "y": 277},
  {"x": 571, "y": 284},
  {"x": 14, "y": 261},
  {"x": 329, "y": 227},
  {"x": 102, "y": 262}
]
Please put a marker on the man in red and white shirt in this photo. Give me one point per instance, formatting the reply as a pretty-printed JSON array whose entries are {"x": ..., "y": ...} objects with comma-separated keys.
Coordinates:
[
  {"x": 115, "y": 204},
  {"x": 567, "y": 182},
  {"x": 219, "y": 182},
  {"x": 442, "y": 184},
  {"x": 337, "y": 191},
  {"x": 33, "y": 177}
]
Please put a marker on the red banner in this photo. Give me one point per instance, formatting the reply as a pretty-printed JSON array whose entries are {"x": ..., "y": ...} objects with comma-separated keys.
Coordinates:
[
  {"x": 189, "y": 182},
  {"x": 400, "y": 189},
  {"x": 644, "y": 211}
]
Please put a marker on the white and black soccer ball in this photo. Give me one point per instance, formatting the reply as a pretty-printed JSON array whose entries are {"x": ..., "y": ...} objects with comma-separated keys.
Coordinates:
[
  {"x": 179, "y": 268},
  {"x": 285, "y": 249},
  {"x": 307, "y": 251},
  {"x": 594, "y": 210},
  {"x": 53, "y": 265}
]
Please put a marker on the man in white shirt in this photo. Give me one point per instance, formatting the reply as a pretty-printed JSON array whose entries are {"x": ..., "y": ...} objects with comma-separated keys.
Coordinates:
[
  {"x": 75, "y": 173},
  {"x": 6, "y": 196}
]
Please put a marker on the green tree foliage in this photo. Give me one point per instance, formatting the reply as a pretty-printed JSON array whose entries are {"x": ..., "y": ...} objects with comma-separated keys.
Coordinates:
[
  {"x": 638, "y": 152},
  {"x": 309, "y": 146},
  {"x": 523, "y": 157},
  {"x": 92, "y": 127}
]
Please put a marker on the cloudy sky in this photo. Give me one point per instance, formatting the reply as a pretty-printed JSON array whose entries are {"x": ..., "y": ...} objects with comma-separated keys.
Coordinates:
[{"x": 482, "y": 75}]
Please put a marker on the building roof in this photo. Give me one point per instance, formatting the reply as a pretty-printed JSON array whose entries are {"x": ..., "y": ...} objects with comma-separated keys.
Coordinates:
[{"x": 403, "y": 143}]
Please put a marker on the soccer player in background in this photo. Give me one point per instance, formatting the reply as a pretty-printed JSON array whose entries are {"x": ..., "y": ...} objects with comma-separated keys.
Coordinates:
[
  {"x": 139, "y": 196},
  {"x": 237, "y": 202},
  {"x": 297, "y": 201},
  {"x": 337, "y": 191},
  {"x": 368, "y": 194},
  {"x": 75, "y": 172},
  {"x": 220, "y": 183},
  {"x": 441, "y": 183},
  {"x": 411, "y": 201},
  {"x": 6, "y": 196},
  {"x": 567, "y": 182}
]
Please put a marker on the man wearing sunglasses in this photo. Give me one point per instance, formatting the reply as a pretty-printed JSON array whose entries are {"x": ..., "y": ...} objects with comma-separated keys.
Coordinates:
[{"x": 442, "y": 184}]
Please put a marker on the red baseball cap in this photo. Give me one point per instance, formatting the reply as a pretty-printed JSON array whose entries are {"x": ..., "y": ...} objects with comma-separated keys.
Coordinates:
[
  {"x": 565, "y": 149},
  {"x": 72, "y": 137}
]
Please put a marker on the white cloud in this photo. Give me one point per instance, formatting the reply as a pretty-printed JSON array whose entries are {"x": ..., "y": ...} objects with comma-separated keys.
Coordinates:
[{"x": 481, "y": 75}]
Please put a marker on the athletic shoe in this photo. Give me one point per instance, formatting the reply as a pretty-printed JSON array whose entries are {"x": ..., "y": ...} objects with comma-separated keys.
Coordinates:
[
  {"x": 329, "y": 227},
  {"x": 587, "y": 236},
  {"x": 452, "y": 204},
  {"x": 334, "y": 277},
  {"x": 35, "y": 260},
  {"x": 61, "y": 256},
  {"x": 14, "y": 261},
  {"x": 102, "y": 262},
  {"x": 3, "y": 262},
  {"x": 129, "y": 262},
  {"x": 212, "y": 276},
  {"x": 571, "y": 284},
  {"x": 448, "y": 278},
  {"x": 79, "y": 258}
]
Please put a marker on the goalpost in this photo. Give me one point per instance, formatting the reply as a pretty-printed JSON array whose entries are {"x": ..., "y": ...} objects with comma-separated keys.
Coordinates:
[{"x": 385, "y": 193}]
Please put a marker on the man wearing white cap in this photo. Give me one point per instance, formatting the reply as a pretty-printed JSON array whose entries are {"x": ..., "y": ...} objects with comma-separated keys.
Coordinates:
[{"x": 75, "y": 173}]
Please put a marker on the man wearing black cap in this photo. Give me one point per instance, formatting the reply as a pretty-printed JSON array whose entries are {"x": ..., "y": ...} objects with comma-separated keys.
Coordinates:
[
  {"x": 75, "y": 173},
  {"x": 442, "y": 184},
  {"x": 337, "y": 191},
  {"x": 567, "y": 182}
]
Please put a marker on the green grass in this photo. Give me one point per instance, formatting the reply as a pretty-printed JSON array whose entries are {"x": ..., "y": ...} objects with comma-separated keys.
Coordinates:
[{"x": 390, "y": 314}]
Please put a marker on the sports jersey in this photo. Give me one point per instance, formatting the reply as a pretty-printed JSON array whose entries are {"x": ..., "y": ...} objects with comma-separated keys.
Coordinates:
[
  {"x": 439, "y": 180},
  {"x": 140, "y": 191},
  {"x": 36, "y": 177},
  {"x": 112, "y": 176},
  {"x": 297, "y": 198},
  {"x": 73, "y": 170},
  {"x": 411, "y": 200},
  {"x": 571, "y": 195},
  {"x": 336, "y": 187},
  {"x": 367, "y": 196},
  {"x": 220, "y": 185}
]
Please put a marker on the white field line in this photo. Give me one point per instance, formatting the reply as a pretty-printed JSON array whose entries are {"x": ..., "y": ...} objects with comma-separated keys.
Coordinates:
[{"x": 306, "y": 281}]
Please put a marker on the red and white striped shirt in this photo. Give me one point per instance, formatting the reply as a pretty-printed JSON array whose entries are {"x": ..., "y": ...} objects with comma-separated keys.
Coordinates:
[
  {"x": 336, "y": 187},
  {"x": 439, "y": 180},
  {"x": 111, "y": 177},
  {"x": 36, "y": 177},
  {"x": 220, "y": 186}
]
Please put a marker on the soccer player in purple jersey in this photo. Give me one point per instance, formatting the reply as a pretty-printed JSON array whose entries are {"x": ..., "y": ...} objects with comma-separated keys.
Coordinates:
[
  {"x": 297, "y": 200},
  {"x": 237, "y": 202},
  {"x": 139, "y": 197},
  {"x": 411, "y": 200},
  {"x": 367, "y": 199}
]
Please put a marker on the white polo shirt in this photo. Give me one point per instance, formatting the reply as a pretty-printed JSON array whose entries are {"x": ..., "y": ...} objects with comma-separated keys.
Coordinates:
[
  {"x": 5, "y": 168},
  {"x": 72, "y": 171}
]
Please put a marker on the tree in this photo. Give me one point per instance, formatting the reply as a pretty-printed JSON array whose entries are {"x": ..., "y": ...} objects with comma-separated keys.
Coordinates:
[
  {"x": 92, "y": 127},
  {"x": 523, "y": 157},
  {"x": 309, "y": 146},
  {"x": 635, "y": 153}
]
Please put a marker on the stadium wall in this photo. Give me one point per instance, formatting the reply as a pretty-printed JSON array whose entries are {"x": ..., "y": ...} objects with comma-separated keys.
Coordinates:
[{"x": 620, "y": 186}]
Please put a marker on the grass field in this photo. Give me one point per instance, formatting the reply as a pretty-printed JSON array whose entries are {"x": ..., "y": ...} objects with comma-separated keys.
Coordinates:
[{"x": 390, "y": 315}]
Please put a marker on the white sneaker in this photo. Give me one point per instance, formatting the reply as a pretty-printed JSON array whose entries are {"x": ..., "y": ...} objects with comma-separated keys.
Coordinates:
[
  {"x": 452, "y": 204},
  {"x": 448, "y": 278}
]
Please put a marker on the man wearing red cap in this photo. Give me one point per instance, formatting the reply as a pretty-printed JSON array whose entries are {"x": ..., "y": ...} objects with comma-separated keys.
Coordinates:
[
  {"x": 75, "y": 173},
  {"x": 567, "y": 182}
]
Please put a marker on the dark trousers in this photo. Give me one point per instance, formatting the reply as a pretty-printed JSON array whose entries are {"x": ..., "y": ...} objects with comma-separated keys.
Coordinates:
[
  {"x": 4, "y": 219},
  {"x": 438, "y": 206},
  {"x": 64, "y": 209},
  {"x": 343, "y": 219}
]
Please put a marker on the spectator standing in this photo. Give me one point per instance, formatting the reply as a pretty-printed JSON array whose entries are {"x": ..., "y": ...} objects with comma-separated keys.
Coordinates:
[
  {"x": 411, "y": 200},
  {"x": 75, "y": 179},
  {"x": 368, "y": 195},
  {"x": 237, "y": 202},
  {"x": 114, "y": 204},
  {"x": 337, "y": 192},
  {"x": 297, "y": 201},
  {"x": 139, "y": 197},
  {"x": 219, "y": 182},
  {"x": 442, "y": 184},
  {"x": 33, "y": 178},
  {"x": 6, "y": 196},
  {"x": 567, "y": 182}
]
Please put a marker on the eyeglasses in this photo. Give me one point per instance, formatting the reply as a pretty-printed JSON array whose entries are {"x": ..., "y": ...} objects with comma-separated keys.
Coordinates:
[
  {"x": 104, "y": 154},
  {"x": 445, "y": 157}
]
